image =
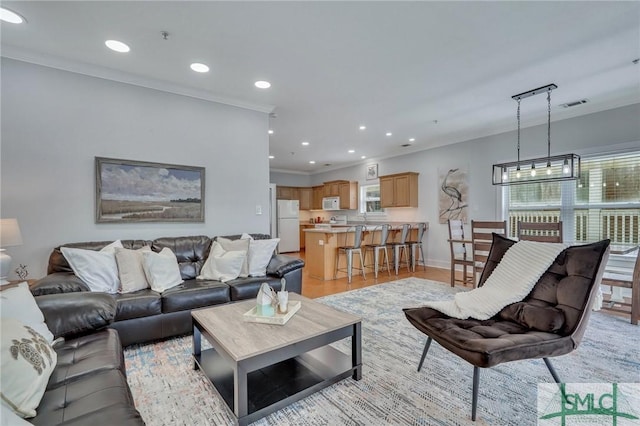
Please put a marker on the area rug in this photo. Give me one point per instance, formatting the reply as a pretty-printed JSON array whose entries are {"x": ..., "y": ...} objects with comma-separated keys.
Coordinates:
[{"x": 167, "y": 391}]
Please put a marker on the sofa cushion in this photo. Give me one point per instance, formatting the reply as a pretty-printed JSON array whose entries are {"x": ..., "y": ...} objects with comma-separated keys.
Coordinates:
[
  {"x": 191, "y": 252},
  {"x": 192, "y": 294},
  {"x": 58, "y": 263},
  {"x": 247, "y": 288},
  {"x": 76, "y": 313},
  {"x": 100, "y": 398},
  {"x": 98, "y": 269},
  {"x": 58, "y": 282},
  {"x": 142, "y": 303},
  {"x": 223, "y": 265},
  {"x": 99, "y": 351}
]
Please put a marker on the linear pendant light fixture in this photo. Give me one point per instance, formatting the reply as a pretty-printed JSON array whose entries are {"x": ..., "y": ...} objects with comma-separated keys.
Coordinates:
[{"x": 545, "y": 169}]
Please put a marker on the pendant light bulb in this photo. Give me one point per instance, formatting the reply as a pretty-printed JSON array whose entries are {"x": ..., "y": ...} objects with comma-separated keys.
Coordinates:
[
  {"x": 518, "y": 174},
  {"x": 548, "y": 167},
  {"x": 505, "y": 175},
  {"x": 533, "y": 169},
  {"x": 565, "y": 167}
]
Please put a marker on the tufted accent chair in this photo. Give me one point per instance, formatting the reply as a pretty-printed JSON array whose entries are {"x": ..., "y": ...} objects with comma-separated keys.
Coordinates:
[{"x": 549, "y": 322}]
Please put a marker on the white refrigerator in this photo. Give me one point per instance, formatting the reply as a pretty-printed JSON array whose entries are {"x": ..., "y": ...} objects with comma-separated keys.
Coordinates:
[{"x": 288, "y": 225}]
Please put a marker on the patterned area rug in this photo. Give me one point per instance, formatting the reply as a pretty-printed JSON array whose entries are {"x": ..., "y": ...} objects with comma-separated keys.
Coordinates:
[{"x": 168, "y": 391}]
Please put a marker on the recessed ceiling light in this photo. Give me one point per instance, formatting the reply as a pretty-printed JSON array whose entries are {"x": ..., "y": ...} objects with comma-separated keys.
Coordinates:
[
  {"x": 270, "y": 132},
  {"x": 412, "y": 139},
  {"x": 305, "y": 143},
  {"x": 10, "y": 16},
  {"x": 363, "y": 127},
  {"x": 271, "y": 157},
  {"x": 351, "y": 151},
  {"x": 363, "y": 157},
  {"x": 312, "y": 162},
  {"x": 117, "y": 46},
  {"x": 198, "y": 67},
  {"x": 389, "y": 133},
  {"x": 262, "y": 84}
]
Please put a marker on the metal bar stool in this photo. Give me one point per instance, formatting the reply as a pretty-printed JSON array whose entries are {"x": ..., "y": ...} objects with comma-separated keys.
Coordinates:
[
  {"x": 350, "y": 250},
  {"x": 376, "y": 248},
  {"x": 417, "y": 244},
  {"x": 401, "y": 247}
]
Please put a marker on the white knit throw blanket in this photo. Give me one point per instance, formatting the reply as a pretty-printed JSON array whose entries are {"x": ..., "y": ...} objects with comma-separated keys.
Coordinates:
[{"x": 513, "y": 279}]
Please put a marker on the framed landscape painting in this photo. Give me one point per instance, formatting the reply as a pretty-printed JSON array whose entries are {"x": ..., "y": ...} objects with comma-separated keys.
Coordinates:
[{"x": 139, "y": 191}]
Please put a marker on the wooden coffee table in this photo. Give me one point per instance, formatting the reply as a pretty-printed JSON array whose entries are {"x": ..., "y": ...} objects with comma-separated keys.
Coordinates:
[{"x": 261, "y": 368}]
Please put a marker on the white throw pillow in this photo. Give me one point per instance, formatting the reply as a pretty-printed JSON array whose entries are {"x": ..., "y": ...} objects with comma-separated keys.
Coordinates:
[
  {"x": 97, "y": 269},
  {"x": 222, "y": 265},
  {"x": 130, "y": 269},
  {"x": 260, "y": 252},
  {"x": 27, "y": 362},
  {"x": 8, "y": 417},
  {"x": 18, "y": 303},
  {"x": 237, "y": 245},
  {"x": 161, "y": 269}
]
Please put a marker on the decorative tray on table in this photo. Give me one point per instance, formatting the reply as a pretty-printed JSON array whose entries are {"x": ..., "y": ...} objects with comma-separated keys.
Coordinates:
[{"x": 277, "y": 319}]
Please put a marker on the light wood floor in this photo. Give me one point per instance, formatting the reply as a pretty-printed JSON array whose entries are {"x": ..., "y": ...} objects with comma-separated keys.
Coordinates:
[{"x": 312, "y": 287}]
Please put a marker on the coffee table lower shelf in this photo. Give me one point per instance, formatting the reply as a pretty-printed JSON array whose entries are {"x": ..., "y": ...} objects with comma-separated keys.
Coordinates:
[{"x": 274, "y": 387}]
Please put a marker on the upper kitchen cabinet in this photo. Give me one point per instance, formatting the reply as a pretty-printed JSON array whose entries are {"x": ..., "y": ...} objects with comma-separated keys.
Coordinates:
[
  {"x": 348, "y": 192},
  {"x": 318, "y": 193},
  {"x": 332, "y": 189},
  {"x": 306, "y": 198},
  {"x": 287, "y": 193},
  {"x": 399, "y": 190}
]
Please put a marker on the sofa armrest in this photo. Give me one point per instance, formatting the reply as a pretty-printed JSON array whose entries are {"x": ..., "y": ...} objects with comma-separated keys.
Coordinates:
[
  {"x": 58, "y": 282},
  {"x": 77, "y": 313},
  {"x": 281, "y": 264}
]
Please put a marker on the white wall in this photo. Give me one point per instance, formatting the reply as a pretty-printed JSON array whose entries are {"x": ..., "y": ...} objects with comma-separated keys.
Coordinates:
[
  {"x": 606, "y": 131},
  {"x": 290, "y": 179},
  {"x": 55, "y": 122}
]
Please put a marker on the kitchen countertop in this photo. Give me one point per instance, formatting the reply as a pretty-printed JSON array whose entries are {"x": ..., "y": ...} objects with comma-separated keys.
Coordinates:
[{"x": 336, "y": 228}]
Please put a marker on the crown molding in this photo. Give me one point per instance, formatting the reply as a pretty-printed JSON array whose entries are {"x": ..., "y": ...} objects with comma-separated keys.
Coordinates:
[{"x": 124, "y": 77}]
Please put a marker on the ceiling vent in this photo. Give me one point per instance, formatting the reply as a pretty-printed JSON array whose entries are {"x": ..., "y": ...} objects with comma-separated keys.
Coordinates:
[{"x": 574, "y": 103}]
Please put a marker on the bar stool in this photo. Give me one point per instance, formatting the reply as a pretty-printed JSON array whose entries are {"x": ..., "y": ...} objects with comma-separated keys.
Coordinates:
[
  {"x": 401, "y": 247},
  {"x": 349, "y": 251},
  {"x": 417, "y": 244},
  {"x": 377, "y": 248}
]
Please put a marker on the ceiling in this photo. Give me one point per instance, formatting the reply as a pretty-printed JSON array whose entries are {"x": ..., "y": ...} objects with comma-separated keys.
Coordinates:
[{"x": 439, "y": 72}]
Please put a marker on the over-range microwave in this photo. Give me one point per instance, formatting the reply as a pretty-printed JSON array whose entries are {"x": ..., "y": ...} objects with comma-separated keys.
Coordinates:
[{"x": 331, "y": 203}]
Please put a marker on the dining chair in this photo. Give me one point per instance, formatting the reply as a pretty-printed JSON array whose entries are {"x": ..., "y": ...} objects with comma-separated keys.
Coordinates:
[
  {"x": 481, "y": 239},
  {"x": 546, "y": 232},
  {"x": 401, "y": 247},
  {"x": 461, "y": 253},
  {"x": 377, "y": 246},
  {"x": 629, "y": 280},
  {"x": 415, "y": 247},
  {"x": 349, "y": 251}
]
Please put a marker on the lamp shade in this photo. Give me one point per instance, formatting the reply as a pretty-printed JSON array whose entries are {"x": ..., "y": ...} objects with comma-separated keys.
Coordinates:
[{"x": 10, "y": 233}]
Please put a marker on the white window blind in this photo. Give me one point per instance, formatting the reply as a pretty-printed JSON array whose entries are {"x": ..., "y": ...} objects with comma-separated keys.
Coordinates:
[{"x": 603, "y": 203}]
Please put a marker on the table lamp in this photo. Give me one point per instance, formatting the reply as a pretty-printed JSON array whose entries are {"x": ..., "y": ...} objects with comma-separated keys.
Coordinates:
[{"x": 9, "y": 237}]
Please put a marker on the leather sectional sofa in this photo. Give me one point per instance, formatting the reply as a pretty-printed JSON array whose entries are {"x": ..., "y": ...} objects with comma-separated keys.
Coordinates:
[
  {"x": 146, "y": 315},
  {"x": 88, "y": 385}
]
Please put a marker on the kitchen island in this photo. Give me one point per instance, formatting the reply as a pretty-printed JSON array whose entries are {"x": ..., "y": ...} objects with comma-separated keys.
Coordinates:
[{"x": 321, "y": 245}]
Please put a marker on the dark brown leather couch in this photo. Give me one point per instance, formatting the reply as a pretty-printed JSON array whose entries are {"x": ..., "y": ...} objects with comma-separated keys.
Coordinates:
[
  {"x": 88, "y": 385},
  {"x": 146, "y": 315}
]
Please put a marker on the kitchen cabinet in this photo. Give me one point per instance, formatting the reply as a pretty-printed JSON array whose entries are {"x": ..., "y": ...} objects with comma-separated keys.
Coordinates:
[
  {"x": 318, "y": 193},
  {"x": 332, "y": 189},
  {"x": 287, "y": 193},
  {"x": 399, "y": 190},
  {"x": 306, "y": 197},
  {"x": 348, "y": 192}
]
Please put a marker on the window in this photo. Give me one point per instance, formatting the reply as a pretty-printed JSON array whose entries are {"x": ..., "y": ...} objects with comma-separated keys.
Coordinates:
[
  {"x": 370, "y": 199},
  {"x": 603, "y": 203}
]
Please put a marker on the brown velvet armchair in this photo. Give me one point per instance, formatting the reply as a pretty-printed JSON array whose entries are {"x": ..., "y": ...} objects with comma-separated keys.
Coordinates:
[{"x": 549, "y": 322}]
